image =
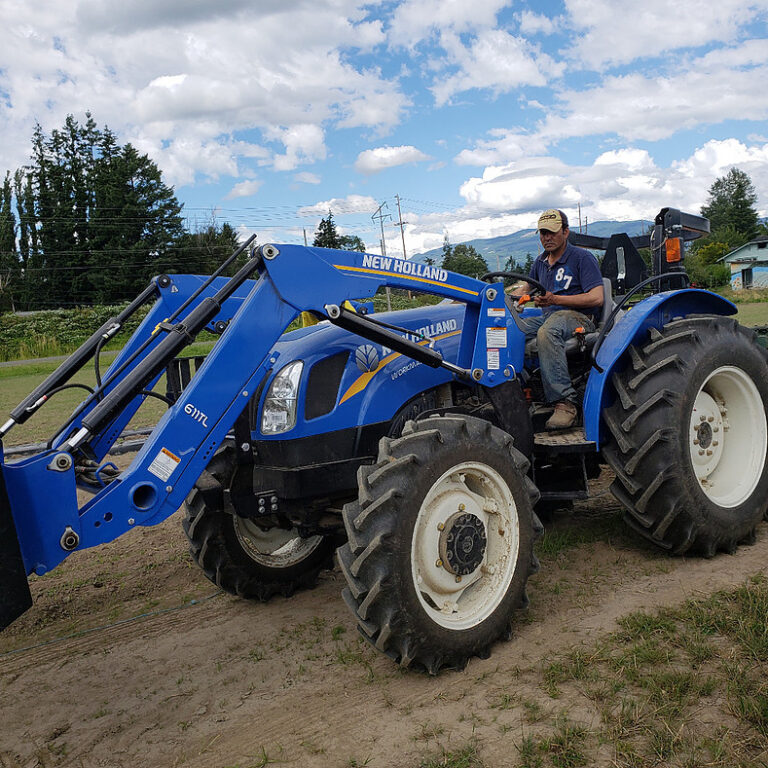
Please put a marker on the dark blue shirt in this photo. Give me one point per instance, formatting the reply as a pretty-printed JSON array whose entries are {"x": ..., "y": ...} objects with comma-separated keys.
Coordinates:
[{"x": 576, "y": 271}]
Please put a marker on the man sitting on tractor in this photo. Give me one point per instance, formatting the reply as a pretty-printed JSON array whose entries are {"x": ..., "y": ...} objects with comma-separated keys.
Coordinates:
[{"x": 574, "y": 299}]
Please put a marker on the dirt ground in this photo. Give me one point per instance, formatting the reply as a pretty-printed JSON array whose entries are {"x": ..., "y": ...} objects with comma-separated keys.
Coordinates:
[{"x": 130, "y": 657}]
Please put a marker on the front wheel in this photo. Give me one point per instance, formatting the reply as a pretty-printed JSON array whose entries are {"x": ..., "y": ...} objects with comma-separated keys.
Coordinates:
[
  {"x": 689, "y": 436},
  {"x": 241, "y": 557},
  {"x": 440, "y": 542}
]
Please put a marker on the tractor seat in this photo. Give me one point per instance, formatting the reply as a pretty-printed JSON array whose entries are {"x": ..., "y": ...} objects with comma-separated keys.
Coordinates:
[{"x": 572, "y": 345}]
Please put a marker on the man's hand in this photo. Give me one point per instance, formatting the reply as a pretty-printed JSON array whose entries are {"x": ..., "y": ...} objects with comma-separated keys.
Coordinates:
[{"x": 546, "y": 300}]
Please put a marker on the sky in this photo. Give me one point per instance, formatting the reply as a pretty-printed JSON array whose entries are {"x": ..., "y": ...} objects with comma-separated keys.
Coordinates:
[{"x": 476, "y": 115}]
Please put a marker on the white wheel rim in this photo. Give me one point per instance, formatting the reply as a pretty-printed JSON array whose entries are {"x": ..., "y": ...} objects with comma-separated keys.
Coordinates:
[
  {"x": 463, "y": 602},
  {"x": 276, "y": 547},
  {"x": 728, "y": 436}
]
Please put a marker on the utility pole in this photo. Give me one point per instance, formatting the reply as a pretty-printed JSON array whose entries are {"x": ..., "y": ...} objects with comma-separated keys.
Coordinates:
[
  {"x": 305, "y": 236},
  {"x": 401, "y": 223},
  {"x": 402, "y": 232},
  {"x": 380, "y": 215}
]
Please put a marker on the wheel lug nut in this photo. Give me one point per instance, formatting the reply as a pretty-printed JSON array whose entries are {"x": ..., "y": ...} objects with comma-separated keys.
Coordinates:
[
  {"x": 439, "y": 563},
  {"x": 696, "y": 442},
  {"x": 702, "y": 418},
  {"x": 701, "y": 452},
  {"x": 715, "y": 442},
  {"x": 711, "y": 418},
  {"x": 441, "y": 526},
  {"x": 709, "y": 453},
  {"x": 461, "y": 507},
  {"x": 458, "y": 579}
]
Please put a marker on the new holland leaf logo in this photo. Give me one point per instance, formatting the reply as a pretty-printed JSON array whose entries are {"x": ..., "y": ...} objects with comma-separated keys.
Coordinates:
[{"x": 367, "y": 358}]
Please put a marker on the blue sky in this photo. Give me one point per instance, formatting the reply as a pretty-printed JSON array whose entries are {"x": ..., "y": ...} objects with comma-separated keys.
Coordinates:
[{"x": 477, "y": 114}]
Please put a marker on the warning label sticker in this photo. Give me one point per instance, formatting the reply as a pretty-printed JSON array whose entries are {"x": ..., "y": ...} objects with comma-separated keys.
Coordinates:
[
  {"x": 163, "y": 464},
  {"x": 493, "y": 359},
  {"x": 495, "y": 337},
  {"x": 495, "y": 311}
]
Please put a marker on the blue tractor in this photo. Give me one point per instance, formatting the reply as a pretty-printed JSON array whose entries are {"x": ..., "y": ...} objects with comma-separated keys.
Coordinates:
[{"x": 410, "y": 443}]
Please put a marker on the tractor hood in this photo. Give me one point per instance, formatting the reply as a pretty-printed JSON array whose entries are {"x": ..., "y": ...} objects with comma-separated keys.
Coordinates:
[{"x": 346, "y": 380}]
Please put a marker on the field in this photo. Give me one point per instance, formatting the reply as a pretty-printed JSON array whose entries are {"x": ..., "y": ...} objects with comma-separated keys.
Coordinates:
[
  {"x": 753, "y": 314},
  {"x": 131, "y": 658},
  {"x": 626, "y": 658}
]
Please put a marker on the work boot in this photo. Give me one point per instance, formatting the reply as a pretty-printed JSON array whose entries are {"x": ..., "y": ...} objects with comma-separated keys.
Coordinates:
[{"x": 563, "y": 417}]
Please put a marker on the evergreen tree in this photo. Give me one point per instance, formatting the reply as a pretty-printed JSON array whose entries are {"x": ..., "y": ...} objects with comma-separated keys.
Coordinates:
[
  {"x": 28, "y": 241},
  {"x": 96, "y": 221},
  {"x": 528, "y": 266},
  {"x": 326, "y": 235},
  {"x": 731, "y": 203},
  {"x": 465, "y": 260},
  {"x": 511, "y": 265},
  {"x": 145, "y": 219},
  {"x": 447, "y": 248},
  {"x": 9, "y": 261}
]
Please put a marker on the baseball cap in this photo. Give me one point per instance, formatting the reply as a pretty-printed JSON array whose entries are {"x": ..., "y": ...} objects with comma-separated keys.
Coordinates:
[{"x": 550, "y": 220}]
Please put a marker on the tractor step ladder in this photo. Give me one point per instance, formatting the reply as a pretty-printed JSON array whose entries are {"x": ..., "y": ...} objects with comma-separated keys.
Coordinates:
[
  {"x": 563, "y": 441},
  {"x": 558, "y": 475}
]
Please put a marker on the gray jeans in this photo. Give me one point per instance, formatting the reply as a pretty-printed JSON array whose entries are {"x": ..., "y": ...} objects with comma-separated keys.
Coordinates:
[{"x": 551, "y": 333}]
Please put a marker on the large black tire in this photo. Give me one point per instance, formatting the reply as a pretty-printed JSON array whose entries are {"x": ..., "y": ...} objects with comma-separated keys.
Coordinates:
[
  {"x": 463, "y": 474},
  {"x": 688, "y": 435},
  {"x": 238, "y": 556}
]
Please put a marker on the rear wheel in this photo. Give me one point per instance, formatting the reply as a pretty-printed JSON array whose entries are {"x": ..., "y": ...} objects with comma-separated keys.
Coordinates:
[
  {"x": 238, "y": 555},
  {"x": 440, "y": 542},
  {"x": 689, "y": 436}
]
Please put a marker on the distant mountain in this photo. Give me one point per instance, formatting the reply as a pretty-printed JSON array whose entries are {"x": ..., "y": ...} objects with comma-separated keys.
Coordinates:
[{"x": 496, "y": 250}]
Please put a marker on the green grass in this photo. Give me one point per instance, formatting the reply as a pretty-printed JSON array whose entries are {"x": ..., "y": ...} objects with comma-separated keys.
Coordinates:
[
  {"x": 753, "y": 314},
  {"x": 652, "y": 679},
  {"x": 556, "y": 540},
  {"x": 751, "y": 296},
  {"x": 19, "y": 380},
  {"x": 465, "y": 757}
]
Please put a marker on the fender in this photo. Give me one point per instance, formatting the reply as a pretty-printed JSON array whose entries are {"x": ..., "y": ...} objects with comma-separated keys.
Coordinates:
[{"x": 653, "y": 312}]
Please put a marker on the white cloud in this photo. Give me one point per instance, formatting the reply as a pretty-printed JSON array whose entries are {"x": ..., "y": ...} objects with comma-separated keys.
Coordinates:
[
  {"x": 497, "y": 61},
  {"x": 614, "y": 32},
  {"x": 303, "y": 144},
  {"x": 245, "y": 189},
  {"x": 188, "y": 71},
  {"x": 415, "y": 20},
  {"x": 341, "y": 206},
  {"x": 539, "y": 24},
  {"x": 503, "y": 146},
  {"x": 635, "y": 107},
  {"x": 375, "y": 160},
  {"x": 507, "y": 188},
  {"x": 305, "y": 177},
  {"x": 620, "y": 184}
]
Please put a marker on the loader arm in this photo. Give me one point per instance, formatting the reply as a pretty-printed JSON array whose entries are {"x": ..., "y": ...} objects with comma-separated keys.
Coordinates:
[{"x": 41, "y": 519}]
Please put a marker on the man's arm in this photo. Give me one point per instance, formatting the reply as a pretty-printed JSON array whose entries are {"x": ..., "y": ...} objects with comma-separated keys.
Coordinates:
[{"x": 592, "y": 298}]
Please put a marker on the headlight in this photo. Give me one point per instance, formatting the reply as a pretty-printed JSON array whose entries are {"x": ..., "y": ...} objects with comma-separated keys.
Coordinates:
[{"x": 279, "y": 412}]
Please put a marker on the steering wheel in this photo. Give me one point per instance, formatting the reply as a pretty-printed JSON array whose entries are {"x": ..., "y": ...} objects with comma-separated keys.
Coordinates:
[{"x": 537, "y": 287}]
